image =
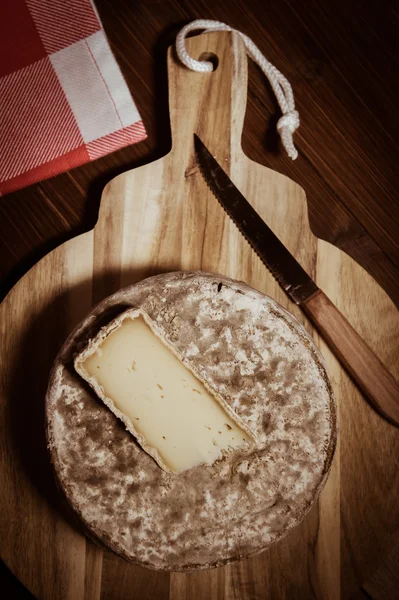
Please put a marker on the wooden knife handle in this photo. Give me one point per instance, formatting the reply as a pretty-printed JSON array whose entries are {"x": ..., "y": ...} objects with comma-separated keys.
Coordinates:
[{"x": 366, "y": 369}]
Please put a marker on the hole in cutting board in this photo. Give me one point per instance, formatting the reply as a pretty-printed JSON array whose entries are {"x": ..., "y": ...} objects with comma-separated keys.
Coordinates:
[{"x": 211, "y": 57}]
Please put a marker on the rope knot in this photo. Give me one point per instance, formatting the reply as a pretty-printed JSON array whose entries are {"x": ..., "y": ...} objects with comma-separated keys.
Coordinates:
[{"x": 289, "y": 121}]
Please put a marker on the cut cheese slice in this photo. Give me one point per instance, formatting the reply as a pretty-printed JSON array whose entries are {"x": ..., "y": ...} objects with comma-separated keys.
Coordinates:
[{"x": 174, "y": 415}]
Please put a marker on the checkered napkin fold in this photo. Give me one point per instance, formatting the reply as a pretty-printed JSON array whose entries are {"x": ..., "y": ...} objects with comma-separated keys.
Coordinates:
[{"x": 63, "y": 99}]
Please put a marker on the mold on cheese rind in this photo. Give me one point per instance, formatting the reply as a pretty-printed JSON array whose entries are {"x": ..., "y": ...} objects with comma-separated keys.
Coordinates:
[{"x": 187, "y": 424}]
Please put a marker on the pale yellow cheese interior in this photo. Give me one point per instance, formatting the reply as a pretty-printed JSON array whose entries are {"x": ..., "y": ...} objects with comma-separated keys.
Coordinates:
[{"x": 166, "y": 403}]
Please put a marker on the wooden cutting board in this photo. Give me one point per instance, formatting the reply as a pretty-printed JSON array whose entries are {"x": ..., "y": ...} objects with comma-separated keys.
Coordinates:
[{"x": 162, "y": 217}]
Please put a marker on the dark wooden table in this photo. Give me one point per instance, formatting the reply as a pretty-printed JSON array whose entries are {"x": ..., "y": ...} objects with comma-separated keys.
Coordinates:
[{"x": 341, "y": 58}]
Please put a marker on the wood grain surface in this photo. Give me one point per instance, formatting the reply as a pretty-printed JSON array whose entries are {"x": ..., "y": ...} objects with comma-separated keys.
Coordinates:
[
  {"x": 340, "y": 58},
  {"x": 347, "y": 167},
  {"x": 162, "y": 217}
]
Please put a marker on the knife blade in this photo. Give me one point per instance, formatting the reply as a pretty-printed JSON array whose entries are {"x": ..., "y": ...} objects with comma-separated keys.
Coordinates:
[
  {"x": 372, "y": 377},
  {"x": 284, "y": 267}
]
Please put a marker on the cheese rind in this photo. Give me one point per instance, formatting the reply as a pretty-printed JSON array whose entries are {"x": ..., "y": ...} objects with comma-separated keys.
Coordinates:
[
  {"x": 207, "y": 516},
  {"x": 173, "y": 414}
]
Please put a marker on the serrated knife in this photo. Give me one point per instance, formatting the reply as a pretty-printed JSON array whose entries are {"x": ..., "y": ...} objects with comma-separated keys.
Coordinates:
[{"x": 372, "y": 377}]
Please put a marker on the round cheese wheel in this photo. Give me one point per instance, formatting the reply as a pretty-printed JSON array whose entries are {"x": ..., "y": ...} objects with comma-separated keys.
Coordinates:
[{"x": 265, "y": 366}]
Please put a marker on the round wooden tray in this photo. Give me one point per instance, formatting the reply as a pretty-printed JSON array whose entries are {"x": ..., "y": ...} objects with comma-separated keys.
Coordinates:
[{"x": 162, "y": 217}]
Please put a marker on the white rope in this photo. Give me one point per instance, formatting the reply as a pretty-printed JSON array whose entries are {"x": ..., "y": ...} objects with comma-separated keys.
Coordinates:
[{"x": 289, "y": 122}]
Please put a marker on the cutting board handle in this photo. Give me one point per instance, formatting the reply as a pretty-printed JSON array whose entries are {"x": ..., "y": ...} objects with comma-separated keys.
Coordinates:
[
  {"x": 212, "y": 105},
  {"x": 209, "y": 104},
  {"x": 205, "y": 103}
]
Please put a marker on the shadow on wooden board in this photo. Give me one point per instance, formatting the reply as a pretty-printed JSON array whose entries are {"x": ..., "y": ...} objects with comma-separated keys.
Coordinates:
[{"x": 10, "y": 587}]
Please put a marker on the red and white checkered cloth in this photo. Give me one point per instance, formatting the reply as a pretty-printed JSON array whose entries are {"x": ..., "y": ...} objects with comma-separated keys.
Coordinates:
[{"x": 63, "y": 99}]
